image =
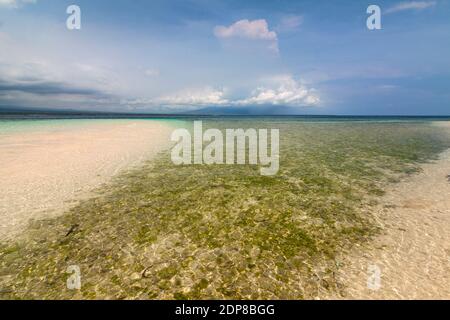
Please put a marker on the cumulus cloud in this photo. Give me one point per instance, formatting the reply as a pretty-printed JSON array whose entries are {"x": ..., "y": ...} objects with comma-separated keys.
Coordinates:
[
  {"x": 246, "y": 29},
  {"x": 411, "y": 5},
  {"x": 195, "y": 97},
  {"x": 187, "y": 99},
  {"x": 285, "y": 90},
  {"x": 280, "y": 90},
  {"x": 15, "y": 3}
]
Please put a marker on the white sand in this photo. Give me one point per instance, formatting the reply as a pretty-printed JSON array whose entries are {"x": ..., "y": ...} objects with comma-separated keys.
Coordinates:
[
  {"x": 44, "y": 172},
  {"x": 413, "y": 252}
]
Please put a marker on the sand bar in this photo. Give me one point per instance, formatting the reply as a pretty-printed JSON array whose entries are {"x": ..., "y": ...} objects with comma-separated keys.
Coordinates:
[
  {"x": 45, "y": 170},
  {"x": 412, "y": 253}
]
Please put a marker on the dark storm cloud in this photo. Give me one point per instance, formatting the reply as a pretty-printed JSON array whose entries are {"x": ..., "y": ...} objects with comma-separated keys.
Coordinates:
[{"x": 46, "y": 88}]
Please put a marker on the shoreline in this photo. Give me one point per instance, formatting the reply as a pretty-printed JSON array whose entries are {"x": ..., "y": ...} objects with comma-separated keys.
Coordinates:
[
  {"x": 200, "y": 232},
  {"x": 49, "y": 169},
  {"x": 412, "y": 251}
]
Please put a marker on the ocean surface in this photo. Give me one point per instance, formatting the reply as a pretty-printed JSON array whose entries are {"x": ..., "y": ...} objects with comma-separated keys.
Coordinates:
[
  {"x": 33, "y": 124},
  {"x": 11, "y": 122},
  {"x": 219, "y": 231},
  {"x": 14, "y": 114}
]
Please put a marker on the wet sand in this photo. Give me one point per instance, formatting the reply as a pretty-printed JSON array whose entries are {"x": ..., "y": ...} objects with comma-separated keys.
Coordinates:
[
  {"x": 46, "y": 171},
  {"x": 412, "y": 254}
]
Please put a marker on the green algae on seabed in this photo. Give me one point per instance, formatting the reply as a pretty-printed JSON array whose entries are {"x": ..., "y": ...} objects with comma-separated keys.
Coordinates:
[{"x": 226, "y": 232}]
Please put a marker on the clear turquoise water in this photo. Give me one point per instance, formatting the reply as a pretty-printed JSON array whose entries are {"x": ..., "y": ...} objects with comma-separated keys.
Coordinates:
[
  {"x": 12, "y": 126},
  {"x": 24, "y": 126}
]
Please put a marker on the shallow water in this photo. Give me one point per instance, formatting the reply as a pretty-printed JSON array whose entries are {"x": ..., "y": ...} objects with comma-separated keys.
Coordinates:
[
  {"x": 8, "y": 126},
  {"x": 176, "y": 232},
  {"x": 45, "y": 165}
]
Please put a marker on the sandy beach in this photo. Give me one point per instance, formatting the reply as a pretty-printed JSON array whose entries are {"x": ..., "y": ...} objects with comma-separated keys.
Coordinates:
[
  {"x": 412, "y": 254},
  {"x": 46, "y": 170}
]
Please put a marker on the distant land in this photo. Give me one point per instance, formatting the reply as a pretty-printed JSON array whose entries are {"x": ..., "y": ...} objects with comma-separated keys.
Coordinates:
[
  {"x": 255, "y": 111},
  {"x": 248, "y": 110},
  {"x": 214, "y": 111}
]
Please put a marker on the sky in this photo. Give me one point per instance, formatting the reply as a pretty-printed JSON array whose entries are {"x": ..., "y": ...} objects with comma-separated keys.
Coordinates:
[{"x": 171, "y": 56}]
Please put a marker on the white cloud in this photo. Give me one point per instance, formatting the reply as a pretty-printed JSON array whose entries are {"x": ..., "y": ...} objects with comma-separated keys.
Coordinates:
[
  {"x": 256, "y": 29},
  {"x": 284, "y": 91},
  {"x": 195, "y": 97},
  {"x": 15, "y": 3},
  {"x": 411, "y": 5},
  {"x": 281, "y": 90},
  {"x": 245, "y": 29}
]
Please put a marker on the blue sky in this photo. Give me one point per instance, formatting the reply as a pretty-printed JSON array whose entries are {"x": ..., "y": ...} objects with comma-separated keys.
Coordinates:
[{"x": 314, "y": 57}]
